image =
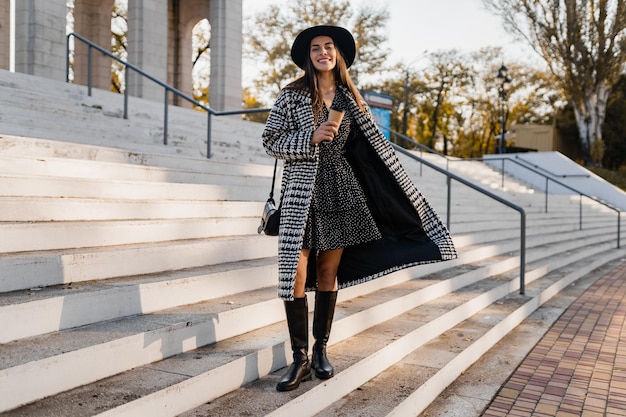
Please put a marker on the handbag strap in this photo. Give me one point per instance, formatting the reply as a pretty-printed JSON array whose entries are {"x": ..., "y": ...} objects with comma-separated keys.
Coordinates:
[{"x": 273, "y": 179}]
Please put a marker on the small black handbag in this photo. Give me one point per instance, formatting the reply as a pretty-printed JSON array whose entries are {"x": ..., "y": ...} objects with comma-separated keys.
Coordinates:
[{"x": 270, "y": 219}]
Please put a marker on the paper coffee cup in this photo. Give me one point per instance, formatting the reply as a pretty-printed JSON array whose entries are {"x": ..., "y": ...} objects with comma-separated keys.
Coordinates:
[{"x": 335, "y": 115}]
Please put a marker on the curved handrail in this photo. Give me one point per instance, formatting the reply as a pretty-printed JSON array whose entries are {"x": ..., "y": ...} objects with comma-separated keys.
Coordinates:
[
  {"x": 166, "y": 87},
  {"x": 449, "y": 177}
]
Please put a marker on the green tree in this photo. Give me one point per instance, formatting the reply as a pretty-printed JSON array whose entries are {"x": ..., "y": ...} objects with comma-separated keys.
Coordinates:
[
  {"x": 453, "y": 101},
  {"x": 251, "y": 102},
  {"x": 406, "y": 93},
  {"x": 446, "y": 79},
  {"x": 273, "y": 30},
  {"x": 583, "y": 42},
  {"x": 478, "y": 107}
]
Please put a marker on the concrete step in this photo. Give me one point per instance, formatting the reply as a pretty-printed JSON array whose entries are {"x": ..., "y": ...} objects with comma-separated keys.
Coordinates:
[
  {"x": 50, "y": 309},
  {"x": 60, "y": 187},
  {"x": 227, "y": 364},
  {"x": 21, "y": 146},
  {"x": 232, "y": 138},
  {"x": 41, "y": 269},
  {"x": 399, "y": 349},
  {"x": 427, "y": 371},
  {"x": 489, "y": 268},
  {"x": 59, "y": 167},
  {"x": 475, "y": 171},
  {"x": 37, "y": 311},
  {"x": 47, "y": 236},
  {"x": 59, "y": 209},
  {"x": 182, "y": 136},
  {"x": 196, "y": 221},
  {"x": 122, "y": 240},
  {"x": 42, "y": 148},
  {"x": 465, "y": 397},
  {"x": 174, "y": 304}
]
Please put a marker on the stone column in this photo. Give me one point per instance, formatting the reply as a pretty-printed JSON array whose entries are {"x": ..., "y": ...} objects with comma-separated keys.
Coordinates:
[
  {"x": 185, "y": 14},
  {"x": 147, "y": 46},
  {"x": 92, "y": 20},
  {"x": 226, "y": 45},
  {"x": 5, "y": 34},
  {"x": 40, "y": 38}
]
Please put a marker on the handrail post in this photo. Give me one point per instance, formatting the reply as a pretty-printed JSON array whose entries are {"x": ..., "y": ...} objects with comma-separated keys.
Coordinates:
[
  {"x": 547, "y": 185},
  {"x": 89, "y": 70},
  {"x": 502, "y": 172},
  {"x": 449, "y": 181},
  {"x": 165, "y": 110},
  {"x": 67, "y": 58},
  {"x": 619, "y": 215},
  {"x": 126, "y": 72},
  {"x": 522, "y": 266},
  {"x": 208, "y": 135},
  {"x": 580, "y": 212}
]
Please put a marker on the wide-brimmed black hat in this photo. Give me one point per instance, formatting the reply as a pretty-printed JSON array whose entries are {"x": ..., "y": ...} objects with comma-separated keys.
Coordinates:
[{"x": 342, "y": 38}]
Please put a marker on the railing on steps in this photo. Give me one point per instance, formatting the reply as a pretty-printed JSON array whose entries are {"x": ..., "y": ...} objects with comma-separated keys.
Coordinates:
[
  {"x": 422, "y": 148},
  {"x": 449, "y": 177},
  {"x": 548, "y": 179},
  {"x": 528, "y": 163},
  {"x": 167, "y": 88}
]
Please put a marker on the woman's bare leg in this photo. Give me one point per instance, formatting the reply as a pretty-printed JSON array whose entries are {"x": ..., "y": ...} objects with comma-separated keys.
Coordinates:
[
  {"x": 298, "y": 290},
  {"x": 327, "y": 265}
]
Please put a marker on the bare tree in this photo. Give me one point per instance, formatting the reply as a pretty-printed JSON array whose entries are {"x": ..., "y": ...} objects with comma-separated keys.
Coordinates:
[{"x": 583, "y": 42}]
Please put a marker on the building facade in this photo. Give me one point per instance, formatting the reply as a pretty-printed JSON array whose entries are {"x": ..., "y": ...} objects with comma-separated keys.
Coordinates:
[{"x": 159, "y": 43}]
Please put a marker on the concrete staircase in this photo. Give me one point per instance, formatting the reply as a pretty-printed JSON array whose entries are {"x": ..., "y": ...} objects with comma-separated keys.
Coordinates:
[{"x": 133, "y": 282}]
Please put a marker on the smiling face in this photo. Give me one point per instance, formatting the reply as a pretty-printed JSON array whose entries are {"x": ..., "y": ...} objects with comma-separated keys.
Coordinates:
[{"x": 323, "y": 53}]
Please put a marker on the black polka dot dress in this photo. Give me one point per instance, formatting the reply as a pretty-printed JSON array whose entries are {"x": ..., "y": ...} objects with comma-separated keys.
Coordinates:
[{"x": 338, "y": 216}]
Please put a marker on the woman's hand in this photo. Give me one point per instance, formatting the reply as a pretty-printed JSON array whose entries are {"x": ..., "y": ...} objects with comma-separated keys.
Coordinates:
[{"x": 326, "y": 132}]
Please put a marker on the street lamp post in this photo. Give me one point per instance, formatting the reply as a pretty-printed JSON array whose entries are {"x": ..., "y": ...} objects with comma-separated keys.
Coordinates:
[
  {"x": 406, "y": 102},
  {"x": 505, "y": 84}
]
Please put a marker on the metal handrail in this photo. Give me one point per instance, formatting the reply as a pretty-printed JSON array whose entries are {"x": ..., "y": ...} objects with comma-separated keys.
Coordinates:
[
  {"x": 412, "y": 142},
  {"x": 550, "y": 172},
  {"x": 449, "y": 177},
  {"x": 167, "y": 88},
  {"x": 548, "y": 179}
]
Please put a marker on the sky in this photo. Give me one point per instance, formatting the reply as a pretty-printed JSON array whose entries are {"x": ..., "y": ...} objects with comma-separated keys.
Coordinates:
[{"x": 416, "y": 26}]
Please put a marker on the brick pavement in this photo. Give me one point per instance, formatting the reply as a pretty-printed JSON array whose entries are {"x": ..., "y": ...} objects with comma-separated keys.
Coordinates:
[{"x": 579, "y": 366}]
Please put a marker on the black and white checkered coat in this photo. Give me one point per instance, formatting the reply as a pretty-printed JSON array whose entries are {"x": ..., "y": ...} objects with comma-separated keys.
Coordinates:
[{"x": 287, "y": 136}]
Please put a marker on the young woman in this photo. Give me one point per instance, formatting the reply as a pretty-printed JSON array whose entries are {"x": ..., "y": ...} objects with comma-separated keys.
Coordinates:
[{"x": 349, "y": 212}]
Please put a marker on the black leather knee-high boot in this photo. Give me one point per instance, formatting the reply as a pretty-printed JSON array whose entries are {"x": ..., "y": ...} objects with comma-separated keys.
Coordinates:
[
  {"x": 322, "y": 321},
  {"x": 298, "y": 323}
]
